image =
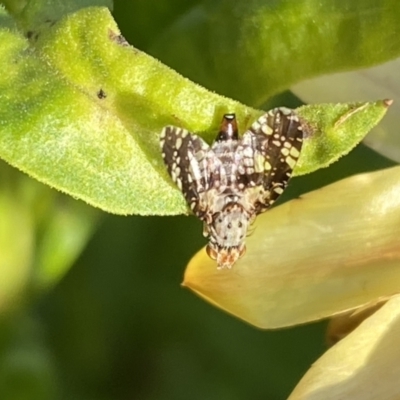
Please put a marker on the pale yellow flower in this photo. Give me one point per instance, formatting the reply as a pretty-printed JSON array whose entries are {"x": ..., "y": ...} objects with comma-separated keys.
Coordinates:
[{"x": 331, "y": 250}]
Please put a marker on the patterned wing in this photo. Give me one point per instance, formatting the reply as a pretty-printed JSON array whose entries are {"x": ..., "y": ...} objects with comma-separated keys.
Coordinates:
[
  {"x": 269, "y": 152},
  {"x": 191, "y": 164}
]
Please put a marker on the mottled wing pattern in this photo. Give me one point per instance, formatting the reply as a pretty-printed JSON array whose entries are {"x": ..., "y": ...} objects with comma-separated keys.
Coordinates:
[
  {"x": 191, "y": 164},
  {"x": 269, "y": 152}
]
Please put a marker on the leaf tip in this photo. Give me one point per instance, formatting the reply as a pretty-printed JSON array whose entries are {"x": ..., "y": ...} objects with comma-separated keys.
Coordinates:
[{"x": 388, "y": 102}]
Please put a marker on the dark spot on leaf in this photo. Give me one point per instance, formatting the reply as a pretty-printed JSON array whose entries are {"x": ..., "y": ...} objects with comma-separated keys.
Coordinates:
[
  {"x": 49, "y": 21},
  {"x": 32, "y": 35},
  {"x": 119, "y": 39},
  {"x": 101, "y": 94}
]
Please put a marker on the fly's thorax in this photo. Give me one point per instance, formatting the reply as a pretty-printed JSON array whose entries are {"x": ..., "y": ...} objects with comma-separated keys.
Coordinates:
[{"x": 225, "y": 150}]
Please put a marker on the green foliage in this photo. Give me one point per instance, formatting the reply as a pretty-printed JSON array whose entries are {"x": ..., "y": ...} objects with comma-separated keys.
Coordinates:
[
  {"x": 255, "y": 49},
  {"x": 79, "y": 98},
  {"x": 334, "y": 130}
]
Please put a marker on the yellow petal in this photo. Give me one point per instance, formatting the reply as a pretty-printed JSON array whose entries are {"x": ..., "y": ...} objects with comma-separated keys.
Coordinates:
[
  {"x": 363, "y": 366},
  {"x": 331, "y": 250},
  {"x": 343, "y": 324}
]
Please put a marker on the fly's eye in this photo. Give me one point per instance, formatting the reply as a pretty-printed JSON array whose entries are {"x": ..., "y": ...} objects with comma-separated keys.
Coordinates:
[{"x": 212, "y": 253}]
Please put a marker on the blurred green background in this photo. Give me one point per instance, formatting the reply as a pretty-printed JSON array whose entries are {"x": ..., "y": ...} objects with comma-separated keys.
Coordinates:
[{"x": 119, "y": 326}]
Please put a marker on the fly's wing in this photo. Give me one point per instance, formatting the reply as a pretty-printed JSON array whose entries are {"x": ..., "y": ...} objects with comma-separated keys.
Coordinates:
[
  {"x": 268, "y": 152},
  {"x": 192, "y": 165}
]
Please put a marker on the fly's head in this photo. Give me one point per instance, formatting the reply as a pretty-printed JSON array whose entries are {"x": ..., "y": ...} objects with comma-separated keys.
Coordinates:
[{"x": 227, "y": 233}]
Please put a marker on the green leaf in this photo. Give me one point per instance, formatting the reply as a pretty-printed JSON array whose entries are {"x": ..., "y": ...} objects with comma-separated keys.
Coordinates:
[
  {"x": 370, "y": 83},
  {"x": 252, "y": 50},
  {"x": 81, "y": 111},
  {"x": 16, "y": 244},
  {"x": 335, "y": 129},
  {"x": 41, "y": 234},
  {"x": 36, "y": 16},
  {"x": 65, "y": 229},
  {"x": 88, "y": 110}
]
